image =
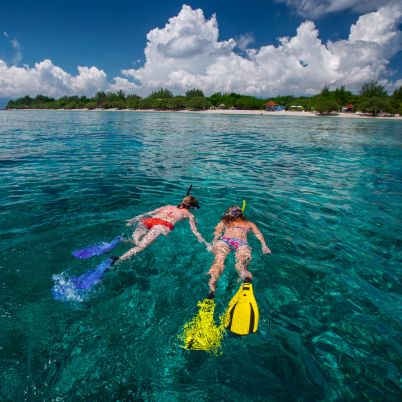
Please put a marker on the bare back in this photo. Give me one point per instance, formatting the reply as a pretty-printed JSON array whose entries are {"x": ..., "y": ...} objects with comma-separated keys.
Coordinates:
[
  {"x": 238, "y": 230},
  {"x": 171, "y": 214}
]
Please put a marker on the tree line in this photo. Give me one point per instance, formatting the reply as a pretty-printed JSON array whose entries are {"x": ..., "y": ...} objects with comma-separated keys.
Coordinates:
[{"x": 372, "y": 99}]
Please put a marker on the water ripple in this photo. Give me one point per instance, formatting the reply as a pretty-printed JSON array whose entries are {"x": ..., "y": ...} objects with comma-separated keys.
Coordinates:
[{"x": 326, "y": 193}]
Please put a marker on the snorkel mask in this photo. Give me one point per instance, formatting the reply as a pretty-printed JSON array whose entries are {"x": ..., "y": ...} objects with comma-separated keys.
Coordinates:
[
  {"x": 189, "y": 201},
  {"x": 236, "y": 211}
]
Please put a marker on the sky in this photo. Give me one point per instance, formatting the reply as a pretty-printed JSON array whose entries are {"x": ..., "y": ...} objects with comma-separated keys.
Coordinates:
[{"x": 261, "y": 48}]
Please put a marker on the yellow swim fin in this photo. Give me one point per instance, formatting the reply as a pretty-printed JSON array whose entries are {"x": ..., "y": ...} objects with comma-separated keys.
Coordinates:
[
  {"x": 242, "y": 314},
  {"x": 202, "y": 333}
]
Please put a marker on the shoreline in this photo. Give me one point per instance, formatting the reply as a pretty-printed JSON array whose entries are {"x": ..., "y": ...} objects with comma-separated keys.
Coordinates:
[{"x": 286, "y": 113}]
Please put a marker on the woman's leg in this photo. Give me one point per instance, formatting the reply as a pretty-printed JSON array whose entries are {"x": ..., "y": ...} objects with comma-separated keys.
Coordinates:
[
  {"x": 146, "y": 240},
  {"x": 140, "y": 231},
  {"x": 221, "y": 250},
  {"x": 243, "y": 258}
]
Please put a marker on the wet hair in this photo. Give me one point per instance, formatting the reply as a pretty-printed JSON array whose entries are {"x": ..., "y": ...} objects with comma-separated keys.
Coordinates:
[
  {"x": 231, "y": 215},
  {"x": 189, "y": 202}
]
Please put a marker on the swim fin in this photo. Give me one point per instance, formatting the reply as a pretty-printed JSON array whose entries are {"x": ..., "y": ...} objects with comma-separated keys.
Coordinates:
[
  {"x": 202, "y": 333},
  {"x": 242, "y": 314},
  {"x": 77, "y": 288},
  {"x": 97, "y": 249}
]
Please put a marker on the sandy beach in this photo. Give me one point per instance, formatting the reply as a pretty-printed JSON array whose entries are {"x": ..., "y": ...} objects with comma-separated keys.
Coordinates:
[
  {"x": 286, "y": 113},
  {"x": 296, "y": 114}
]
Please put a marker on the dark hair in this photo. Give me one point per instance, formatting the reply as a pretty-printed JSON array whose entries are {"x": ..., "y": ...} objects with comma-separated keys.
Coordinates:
[
  {"x": 228, "y": 218},
  {"x": 189, "y": 202}
]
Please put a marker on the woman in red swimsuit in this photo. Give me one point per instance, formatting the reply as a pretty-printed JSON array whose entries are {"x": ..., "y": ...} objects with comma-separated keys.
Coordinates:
[
  {"x": 234, "y": 226},
  {"x": 161, "y": 221}
]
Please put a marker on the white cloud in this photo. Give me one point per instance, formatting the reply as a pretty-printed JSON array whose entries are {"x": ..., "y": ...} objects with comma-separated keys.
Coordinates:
[
  {"x": 245, "y": 40},
  {"x": 187, "y": 45},
  {"x": 318, "y": 8},
  {"x": 187, "y": 53},
  {"x": 47, "y": 79}
]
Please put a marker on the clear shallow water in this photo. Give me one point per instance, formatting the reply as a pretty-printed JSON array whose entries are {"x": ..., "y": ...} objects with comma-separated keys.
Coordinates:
[{"x": 325, "y": 192}]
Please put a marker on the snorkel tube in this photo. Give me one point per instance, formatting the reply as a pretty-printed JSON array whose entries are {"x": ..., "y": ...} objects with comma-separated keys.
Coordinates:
[
  {"x": 189, "y": 201},
  {"x": 243, "y": 207}
]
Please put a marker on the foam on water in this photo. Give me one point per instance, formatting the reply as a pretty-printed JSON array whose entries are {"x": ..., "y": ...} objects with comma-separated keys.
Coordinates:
[{"x": 64, "y": 289}]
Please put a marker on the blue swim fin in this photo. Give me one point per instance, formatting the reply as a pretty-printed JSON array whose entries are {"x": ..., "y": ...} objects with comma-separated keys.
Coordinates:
[
  {"x": 93, "y": 276},
  {"x": 77, "y": 288},
  {"x": 97, "y": 249}
]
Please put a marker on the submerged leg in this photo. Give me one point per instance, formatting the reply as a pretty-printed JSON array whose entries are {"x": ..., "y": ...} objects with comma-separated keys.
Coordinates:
[
  {"x": 221, "y": 250},
  {"x": 243, "y": 258},
  {"x": 146, "y": 240},
  {"x": 139, "y": 232}
]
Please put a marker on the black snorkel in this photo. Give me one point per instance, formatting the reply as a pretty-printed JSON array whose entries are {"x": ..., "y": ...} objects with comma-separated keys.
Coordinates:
[{"x": 192, "y": 203}]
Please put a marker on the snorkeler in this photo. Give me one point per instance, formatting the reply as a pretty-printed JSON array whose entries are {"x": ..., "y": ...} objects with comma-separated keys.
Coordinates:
[
  {"x": 235, "y": 227},
  {"x": 161, "y": 221}
]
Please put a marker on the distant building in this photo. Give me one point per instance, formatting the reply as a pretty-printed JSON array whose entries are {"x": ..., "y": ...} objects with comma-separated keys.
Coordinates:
[
  {"x": 296, "y": 108},
  {"x": 272, "y": 106},
  {"x": 348, "y": 108}
]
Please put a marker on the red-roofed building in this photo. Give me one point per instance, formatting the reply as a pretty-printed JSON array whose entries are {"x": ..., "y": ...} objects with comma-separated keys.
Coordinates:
[
  {"x": 272, "y": 106},
  {"x": 348, "y": 108}
]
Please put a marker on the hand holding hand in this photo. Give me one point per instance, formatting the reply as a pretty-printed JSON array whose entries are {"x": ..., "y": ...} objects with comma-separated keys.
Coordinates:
[
  {"x": 266, "y": 250},
  {"x": 209, "y": 247}
]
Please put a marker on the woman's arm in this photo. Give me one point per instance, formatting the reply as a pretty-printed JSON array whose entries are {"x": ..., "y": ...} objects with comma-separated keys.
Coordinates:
[
  {"x": 219, "y": 228},
  {"x": 260, "y": 237},
  {"x": 193, "y": 227},
  {"x": 138, "y": 217}
]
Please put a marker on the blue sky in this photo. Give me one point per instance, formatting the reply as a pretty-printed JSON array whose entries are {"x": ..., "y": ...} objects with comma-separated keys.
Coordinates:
[{"x": 112, "y": 36}]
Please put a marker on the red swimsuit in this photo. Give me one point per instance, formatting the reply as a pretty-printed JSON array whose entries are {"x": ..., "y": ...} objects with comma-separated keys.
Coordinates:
[{"x": 149, "y": 223}]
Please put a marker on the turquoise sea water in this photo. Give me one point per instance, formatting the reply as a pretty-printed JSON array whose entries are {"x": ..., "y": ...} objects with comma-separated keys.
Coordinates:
[{"x": 326, "y": 193}]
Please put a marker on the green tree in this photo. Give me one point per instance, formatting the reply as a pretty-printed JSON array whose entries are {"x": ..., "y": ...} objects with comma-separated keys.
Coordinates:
[
  {"x": 215, "y": 98},
  {"x": 133, "y": 101},
  {"x": 375, "y": 105},
  {"x": 397, "y": 94},
  {"x": 304, "y": 102},
  {"x": 371, "y": 89},
  {"x": 21, "y": 103},
  {"x": 91, "y": 105},
  {"x": 396, "y": 100},
  {"x": 73, "y": 104},
  {"x": 325, "y": 91},
  {"x": 341, "y": 96},
  {"x": 160, "y": 104},
  {"x": 198, "y": 103},
  {"x": 176, "y": 103},
  {"x": 194, "y": 93},
  {"x": 100, "y": 97},
  {"x": 145, "y": 103},
  {"x": 325, "y": 105},
  {"x": 161, "y": 94},
  {"x": 121, "y": 95}
]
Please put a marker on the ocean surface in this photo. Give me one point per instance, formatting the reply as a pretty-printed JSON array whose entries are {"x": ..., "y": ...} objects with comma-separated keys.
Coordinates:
[{"x": 326, "y": 193}]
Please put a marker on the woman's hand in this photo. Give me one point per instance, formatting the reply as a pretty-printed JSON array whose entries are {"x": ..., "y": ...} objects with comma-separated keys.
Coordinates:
[
  {"x": 209, "y": 247},
  {"x": 266, "y": 250}
]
